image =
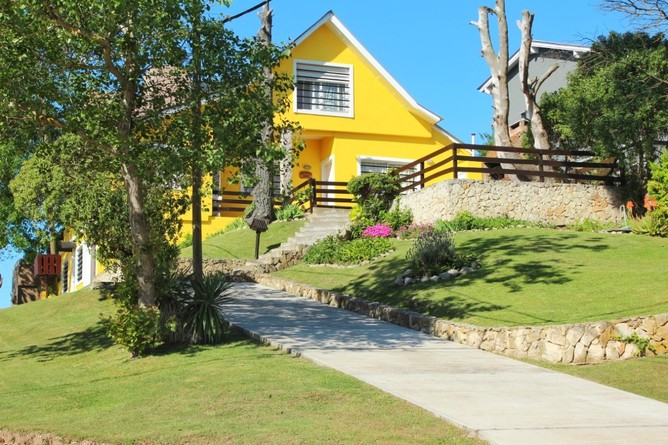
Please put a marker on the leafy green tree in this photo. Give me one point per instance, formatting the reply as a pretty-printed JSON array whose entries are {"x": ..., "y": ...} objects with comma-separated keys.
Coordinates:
[
  {"x": 614, "y": 103},
  {"x": 137, "y": 105}
]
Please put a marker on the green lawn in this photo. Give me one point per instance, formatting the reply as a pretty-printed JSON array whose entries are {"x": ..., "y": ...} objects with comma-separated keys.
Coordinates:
[
  {"x": 61, "y": 375},
  {"x": 530, "y": 276},
  {"x": 240, "y": 243},
  {"x": 646, "y": 376}
]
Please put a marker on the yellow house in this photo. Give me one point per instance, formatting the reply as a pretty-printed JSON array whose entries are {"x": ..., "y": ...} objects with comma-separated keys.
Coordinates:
[{"x": 356, "y": 117}]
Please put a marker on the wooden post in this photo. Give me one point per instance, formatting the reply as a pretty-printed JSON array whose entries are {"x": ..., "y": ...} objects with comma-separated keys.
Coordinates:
[
  {"x": 541, "y": 168},
  {"x": 454, "y": 162},
  {"x": 312, "y": 184}
]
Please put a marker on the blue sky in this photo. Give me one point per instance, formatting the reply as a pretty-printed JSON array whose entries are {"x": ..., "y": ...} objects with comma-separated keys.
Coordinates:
[{"x": 429, "y": 46}]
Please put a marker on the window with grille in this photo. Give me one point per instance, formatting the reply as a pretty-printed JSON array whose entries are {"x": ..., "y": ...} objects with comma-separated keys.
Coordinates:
[
  {"x": 324, "y": 88},
  {"x": 79, "y": 259},
  {"x": 66, "y": 276},
  {"x": 379, "y": 166}
]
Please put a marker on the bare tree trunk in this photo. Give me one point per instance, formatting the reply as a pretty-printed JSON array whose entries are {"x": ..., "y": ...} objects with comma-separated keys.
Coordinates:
[
  {"x": 262, "y": 192},
  {"x": 530, "y": 87},
  {"x": 498, "y": 66},
  {"x": 286, "y": 165},
  {"x": 141, "y": 240}
]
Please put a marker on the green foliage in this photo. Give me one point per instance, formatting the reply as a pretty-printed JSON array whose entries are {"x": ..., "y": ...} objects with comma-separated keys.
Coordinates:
[
  {"x": 374, "y": 193},
  {"x": 468, "y": 221},
  {"x": 202, "y": 313},
  {"x": 589, "y": 225},
  {"x": 652, "y": 224},
  {"x": 657, "y": 187},
  {"x": 289, "y": 212},
  {"x": 616, "y": 102},
  {"x": 134, "y": 327},
  {"x": 432, "y": 252},
  {"x": 187, "y": 241},
  {"x": 397, "y": 218},
  {"x": 332, "y": 250},
  {"x": 643, "y": 344}
]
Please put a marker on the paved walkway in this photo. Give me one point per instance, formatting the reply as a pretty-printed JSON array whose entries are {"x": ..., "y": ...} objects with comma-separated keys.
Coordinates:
[{"x": 505, "y": 401}]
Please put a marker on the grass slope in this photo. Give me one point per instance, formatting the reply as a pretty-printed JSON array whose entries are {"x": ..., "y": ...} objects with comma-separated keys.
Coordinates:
[
  {"x": 240, "y": 243},
  {"x": 60, "y": 374},
  {"x": 530, "y": 276}
]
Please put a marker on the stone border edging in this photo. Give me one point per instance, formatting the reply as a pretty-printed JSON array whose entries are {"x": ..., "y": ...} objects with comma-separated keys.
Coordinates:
[{"x": 580, "y": 343}]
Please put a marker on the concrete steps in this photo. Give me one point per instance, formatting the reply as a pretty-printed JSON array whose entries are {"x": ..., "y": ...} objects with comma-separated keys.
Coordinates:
[{"x": 322, "y": 223}]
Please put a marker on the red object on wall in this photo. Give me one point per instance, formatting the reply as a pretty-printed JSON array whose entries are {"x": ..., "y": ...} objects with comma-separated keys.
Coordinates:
[
  {"x": 305, "y": 175},
  {"x": 47, "y": 265}
]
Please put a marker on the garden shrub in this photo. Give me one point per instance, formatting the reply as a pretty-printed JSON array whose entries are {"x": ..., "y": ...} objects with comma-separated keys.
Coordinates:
[
  {"x": 397, "y": 218},
  {"x": 136, "y": 328},
  {"x": 374, "y": 193},
  {"x": 414, "y": 231},
  {"x": 202, "y": 311},
  {"x": 589, "y": 225},
  {"x": 467, "y": 221},
  {"x": 332, "y": 250},
  {"x": 432, "y": 252},
  {"x": 652, "y": 224},
  {"x": 657, "y": 188},
  {"x": 289, "y": 212}
]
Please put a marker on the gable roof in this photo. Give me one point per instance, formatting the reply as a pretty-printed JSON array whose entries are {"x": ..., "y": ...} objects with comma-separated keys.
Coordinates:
[
  {"x": 536, "y": 45},
  {"x": 335, "y": 25}
]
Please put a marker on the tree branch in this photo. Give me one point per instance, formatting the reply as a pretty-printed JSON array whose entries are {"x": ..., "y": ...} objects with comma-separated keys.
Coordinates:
[{"x": 107, "y": 50}]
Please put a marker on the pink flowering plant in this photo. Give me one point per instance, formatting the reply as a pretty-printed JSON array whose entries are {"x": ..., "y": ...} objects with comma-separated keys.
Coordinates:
[
  {"x": 414, "y": 231},
  {"x": 378, "y": 231}
]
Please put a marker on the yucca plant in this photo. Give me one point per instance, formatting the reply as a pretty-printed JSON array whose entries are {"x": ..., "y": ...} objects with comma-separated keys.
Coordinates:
[{"x": 202, "y": 311}]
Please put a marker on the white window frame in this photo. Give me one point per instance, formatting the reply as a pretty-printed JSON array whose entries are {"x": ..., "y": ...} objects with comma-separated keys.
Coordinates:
[
  {"x": 399, "y": 161},
  {"x": 350, "y": 112}
]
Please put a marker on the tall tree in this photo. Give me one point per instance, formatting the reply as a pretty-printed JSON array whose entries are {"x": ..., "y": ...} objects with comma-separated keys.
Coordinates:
[
  {"x": 263, "y": 190},
  {"x": 498, "y": 66},
  {"x": 80, "y": 69},
  {"x": 529, "y": 86},
  {"x": 611, "y": 105}
]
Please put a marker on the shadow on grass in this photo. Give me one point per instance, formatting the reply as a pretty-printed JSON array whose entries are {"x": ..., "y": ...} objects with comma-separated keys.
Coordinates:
[
  {"x": 88, "y": 340},
  {"x": 508, "y": 260}
]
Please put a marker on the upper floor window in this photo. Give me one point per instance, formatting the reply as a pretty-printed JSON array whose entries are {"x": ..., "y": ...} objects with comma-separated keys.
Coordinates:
[{"x": 324, "y": 88}]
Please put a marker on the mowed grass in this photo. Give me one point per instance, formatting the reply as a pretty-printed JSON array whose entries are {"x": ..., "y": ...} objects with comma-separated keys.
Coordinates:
[
  {"x": 646, "y": 376},
  {"x": 240, "y": 243},
  {"x": 530, "y": 276},
  {"x": 61, "y": 375}
]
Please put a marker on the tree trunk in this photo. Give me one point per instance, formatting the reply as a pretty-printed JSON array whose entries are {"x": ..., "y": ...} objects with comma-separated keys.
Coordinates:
[
  {"x": 141, "y": 240},
  {"x": 498, "y": 66},
  {"x": 196, "y": 196},
  {"x": 262, "y": 192},
  {"x": 286, "y": 166},
  {"x": 530, "y": 87}
]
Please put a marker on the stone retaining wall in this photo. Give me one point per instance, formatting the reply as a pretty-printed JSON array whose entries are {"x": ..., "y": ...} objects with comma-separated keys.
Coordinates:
[
  {"x": 559, "y": 204},
  {"x": 573, "y": 343}
]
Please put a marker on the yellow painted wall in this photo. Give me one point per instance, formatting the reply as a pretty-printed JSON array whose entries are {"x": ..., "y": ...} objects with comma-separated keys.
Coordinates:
[
  {"x": 383, "y": 125},
  {"x": 377, "y": 108}
]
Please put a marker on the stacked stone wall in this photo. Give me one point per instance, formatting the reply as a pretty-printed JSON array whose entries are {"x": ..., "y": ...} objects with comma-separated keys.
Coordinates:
[
  {"x": 580, "y": 343},
  {"x": 559, "y": 204}
]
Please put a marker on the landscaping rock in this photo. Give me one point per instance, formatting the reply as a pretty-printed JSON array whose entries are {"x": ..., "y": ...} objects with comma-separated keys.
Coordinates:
[
  {"x": 466, "y": 270},
  {"x": 453, "y": 273},
  {"x": 408, "y": 281},
  {"x": 434, "y": 278},
  {"x": 424, "y": 279},
  {"x": 399, "y": 281}
]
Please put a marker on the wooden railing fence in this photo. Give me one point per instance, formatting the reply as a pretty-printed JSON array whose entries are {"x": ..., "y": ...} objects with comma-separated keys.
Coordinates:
[{"x": 454, "y": 159}]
